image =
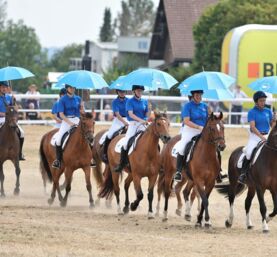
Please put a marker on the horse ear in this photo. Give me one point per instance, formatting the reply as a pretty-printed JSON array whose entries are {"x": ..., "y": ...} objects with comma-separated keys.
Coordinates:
[
  {"x": 212, "y": 116},
  {"x": 220, "y": 116},
  {"x": 164, "y": 114},
  {"x": 157, "y": 114}
]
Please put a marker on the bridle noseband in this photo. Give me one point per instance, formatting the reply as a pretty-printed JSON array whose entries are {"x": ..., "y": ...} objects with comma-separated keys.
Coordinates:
[{"x": 86, "y": 134}]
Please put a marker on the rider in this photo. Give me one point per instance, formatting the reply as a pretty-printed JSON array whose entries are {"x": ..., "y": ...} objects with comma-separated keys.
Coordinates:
[
  {"x": 137, "y": 113},
  {"x": 119, "y": 121},
  {"x": 7, "y": 100},
  {"x": 261, "y": 119},
  {"x": 194, "y": 116},
  {"x": 69, "y": 108},
  {"x": 55, "y": 112}
]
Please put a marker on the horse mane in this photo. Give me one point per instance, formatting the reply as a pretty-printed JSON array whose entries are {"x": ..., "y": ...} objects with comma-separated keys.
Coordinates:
[
  {"x": 159, "y": 115},
  {"x": 88, "y": 115}
]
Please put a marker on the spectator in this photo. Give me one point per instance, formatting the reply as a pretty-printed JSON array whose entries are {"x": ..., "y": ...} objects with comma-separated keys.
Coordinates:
[
  {"x": 35, "y": 96},
  {"x": 107, "y": 114},
  {"x": 237, "y": 106},
  {"x": 32, "y": 115}
]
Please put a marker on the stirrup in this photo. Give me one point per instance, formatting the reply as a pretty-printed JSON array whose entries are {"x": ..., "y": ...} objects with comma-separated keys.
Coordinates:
[
  {"x": 56, "y": 164},
  {"x": 178, "y": 176}
]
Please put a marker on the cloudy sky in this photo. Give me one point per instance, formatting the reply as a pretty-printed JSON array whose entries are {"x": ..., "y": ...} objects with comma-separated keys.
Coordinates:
[{"x": 61, "y": 22}]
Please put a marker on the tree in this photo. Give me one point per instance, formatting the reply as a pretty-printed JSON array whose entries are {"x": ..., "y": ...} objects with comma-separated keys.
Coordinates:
[
  {"x": 106, "y": 32},
  {"x": 217, "y": 20},
  {"x": 61, "y": 59},
  {"x": 136, "y": 18},
  {"x": 3, "y": 13}
]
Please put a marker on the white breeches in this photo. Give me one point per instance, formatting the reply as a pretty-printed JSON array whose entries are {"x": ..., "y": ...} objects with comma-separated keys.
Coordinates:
[
  {"x": 116, "y": 125},
  {"x": 187, "y": 134},
  {"x": 2, "y": 121},
  {"x": 133, "y": 128},
  {"x": 253, "y": 141},
  {"x": 64, "y": 128}
]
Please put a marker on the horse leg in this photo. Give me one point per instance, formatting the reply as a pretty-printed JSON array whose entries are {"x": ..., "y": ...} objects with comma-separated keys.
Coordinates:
[
  {"x": 231, "y": 198},
  {"x": 178, "y": 188},
  {"x": 167, "y": 191},
  {"x": 56, "y": 177},
  {"x": 127, "y": 183},
  {"x": 88, "y": 185},
  {"x": 68, "y": 179},
  {"x": 2, "y": 178},
  {"x": 192, "y": 198},
  {"x": 274, "y": 199},
  {"x": 186, "y": 193},
  {"x": 17, "y": 172},
  {"x": 160, "y": 189},
  {"x": 152, "y": 180},
  {"x": 260, "y": 194},
  {"x": 116, "y": 188},
  {"x": 248, "y": 202},
  {"x": 137, "y": 185}
]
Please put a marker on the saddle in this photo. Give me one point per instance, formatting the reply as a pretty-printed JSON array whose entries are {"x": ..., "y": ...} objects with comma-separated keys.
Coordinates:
[
  {"x": 65, "y": 137},
  {"x": 120, "y": 131}
]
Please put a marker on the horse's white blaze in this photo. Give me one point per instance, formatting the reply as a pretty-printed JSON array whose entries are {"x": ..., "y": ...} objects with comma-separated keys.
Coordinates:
[
  {"x": 248, "y": 221},
  {"x": 218, "y": 127},
  {"x": 265, "y": 226}
]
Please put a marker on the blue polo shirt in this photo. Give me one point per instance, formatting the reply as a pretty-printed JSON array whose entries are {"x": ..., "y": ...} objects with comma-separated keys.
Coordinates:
[
  {"x": 138, "y": 106},
  {"x": 55, "y": 109},
  {"x": 197, "y": 113},
  {"x": 119, "y": 105},
  {"x": 262, "y": 118},
  {"x": 70, "y": 106},
  {"x": 8, "y": 99}
]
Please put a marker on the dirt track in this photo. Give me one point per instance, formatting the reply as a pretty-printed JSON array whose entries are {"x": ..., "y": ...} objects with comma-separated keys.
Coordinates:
[{"x": 29, "y": 227}]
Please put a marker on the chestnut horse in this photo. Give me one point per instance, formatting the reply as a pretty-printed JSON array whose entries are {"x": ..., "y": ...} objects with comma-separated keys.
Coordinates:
[
  {"x": 165, "y": 181},
  {"x": 9, "y": 146},
  {"x": 262, "y": 176},
  {"x": 144, "y": 161},
  {"x": 77, "y": 154}
]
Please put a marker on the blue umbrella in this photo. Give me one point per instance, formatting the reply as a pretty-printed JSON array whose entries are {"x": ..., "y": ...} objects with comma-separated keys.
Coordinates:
[
  {"x": 82, "y": 79},
  {"x": 216, "y": 94},
  {"x": 118, "y": 83},
  {"x": 151, "y": 79},
  {"x": 207, "y": 80},
  {"x": 266, "y": 84},
  {"x": 13, "y": 73}
]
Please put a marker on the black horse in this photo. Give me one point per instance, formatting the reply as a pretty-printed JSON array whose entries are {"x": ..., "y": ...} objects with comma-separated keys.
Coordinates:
[
  {"x": 10, "y": 146},
  {"x": 262, "y": 176}
]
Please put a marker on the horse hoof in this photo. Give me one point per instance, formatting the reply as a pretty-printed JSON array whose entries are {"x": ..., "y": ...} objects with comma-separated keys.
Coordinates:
[
  {"x": 151, "y": 215},
  {"x": 265, "y": 231},
  {"x": 133, "y": 207},
  {"x": 165, "y": 219},
  {"x": 126, "y": 210},
  {"x": 197, "y": 225},
  {"x": 97, "y": 202},
  {"x": 50, "y": 201},
  {"x": 249, "y": 227},
  {"x": 228, "y": 224},
  {"x": 3, "y": 195},
  {"x": 188, "y": 217},
  {"x": 208, "y": 225},
  {"x": 63, "y": 203},
  {"x": 16, "y": 191},
  {"x": 91, "y": 205},
  {"x": 178, "y": 212}
]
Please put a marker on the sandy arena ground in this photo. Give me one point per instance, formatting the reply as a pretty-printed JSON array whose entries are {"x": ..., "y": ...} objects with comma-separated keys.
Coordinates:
[{"x": 29, "y": 227}]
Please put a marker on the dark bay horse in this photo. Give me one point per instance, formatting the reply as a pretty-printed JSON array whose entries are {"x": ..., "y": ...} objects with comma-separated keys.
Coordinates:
[
  {"x": 144, "y": 161},
  {"x": 262, "y": 176},
  {"x": 204, "y": 166},
  {"x": 77, "y": 154},
  {"x": 165, "y": 181},
  {"x": 9, "y": 146}
]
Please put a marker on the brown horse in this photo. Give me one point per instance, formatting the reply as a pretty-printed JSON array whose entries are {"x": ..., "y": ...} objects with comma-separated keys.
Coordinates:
[
  {"x": 9, "y": 146},
  {"x": 77, "y": 154},
  {"x": 204, "y": 166},
  {"x": 144, "y": 161},
  {"x": 165, "y": 181},
  {"x": 262, "y": 176}
]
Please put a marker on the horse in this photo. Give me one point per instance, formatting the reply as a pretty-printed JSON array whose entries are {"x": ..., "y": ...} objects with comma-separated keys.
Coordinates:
[
  {"x": 77, "y": 154},
  {"x": 10, "y": 147},
  {"x": 262, "y": 176},
  {"x": 144, "y": 161},
  {"x": 165, "y": 181}
]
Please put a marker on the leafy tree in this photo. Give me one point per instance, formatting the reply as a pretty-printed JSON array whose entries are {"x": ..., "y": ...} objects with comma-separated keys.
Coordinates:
[
  {"x": 217, "y": 20},
  {"x": 106, "y": 31},
  {"x": 3, "y": 14},
  {"x": 136, "y": 18},
  {"x": 61, "y": 59}
]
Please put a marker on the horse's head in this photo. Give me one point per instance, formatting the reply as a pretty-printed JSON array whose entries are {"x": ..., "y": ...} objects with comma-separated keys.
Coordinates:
[
  {"x": 272, "y": 138},
  {"x": 11, "y": 116},
  {"x": 214, "y": 131},
  {"x": 87, "y": 126},
  {"x": 161, "y": 126}
]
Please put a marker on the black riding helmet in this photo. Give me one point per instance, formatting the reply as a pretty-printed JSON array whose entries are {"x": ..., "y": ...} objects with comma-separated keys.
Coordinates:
[
  {"x": 62, "y": 91},
  {"x": 200, "y": 91},
  {"x": 120, "y": 91},
  {"x": 258, "y": 95},
  {"x": 134, "y": 87}
]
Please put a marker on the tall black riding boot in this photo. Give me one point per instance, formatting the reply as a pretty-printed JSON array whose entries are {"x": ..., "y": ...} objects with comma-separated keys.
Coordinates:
[
  {"x": 58, "y": 162},
  {"x": 123, "y": 160},
  {"x": 21, "y": 156},
  {"x": 179, "y": 167},
  {"x": 244, "y": 170},
  {"x": 105, "y": 149}
]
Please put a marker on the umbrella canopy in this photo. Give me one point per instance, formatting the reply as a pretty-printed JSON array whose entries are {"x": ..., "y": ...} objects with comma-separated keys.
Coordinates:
[
  {"x": 266, "y": 84},
  {"x": 151, "y": 79},
  {"x": 13, "y": 73},
  {"x": 82, "y": 79},
  {"x": 118, "y": 83}
]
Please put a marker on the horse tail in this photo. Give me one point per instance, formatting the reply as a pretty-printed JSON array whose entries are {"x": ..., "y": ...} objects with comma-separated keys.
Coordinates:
[
  {"x": 106, "y": 189},
  {"x": 44, "y": 166},
  {"x": 97, "y": 173},
  {"x": 224, "y": 189}
]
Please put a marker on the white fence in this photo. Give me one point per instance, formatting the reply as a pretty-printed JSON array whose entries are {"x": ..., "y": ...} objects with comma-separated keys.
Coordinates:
[{"x": 164, "y": 102}]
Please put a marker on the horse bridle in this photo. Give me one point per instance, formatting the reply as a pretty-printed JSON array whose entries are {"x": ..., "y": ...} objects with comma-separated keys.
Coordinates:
[
  {"x": 155, "y": 129},
  {"x": 215, "y": 140},
  {"x": 86, "y": 134}
]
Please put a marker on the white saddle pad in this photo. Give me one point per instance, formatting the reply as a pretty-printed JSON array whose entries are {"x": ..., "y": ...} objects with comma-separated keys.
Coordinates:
[
  {"x": 121, "y": 142},
  {"x": 53, "y": 140},
  {"x": 240, "y": 161},
  {"x": 102, "y": 139}
]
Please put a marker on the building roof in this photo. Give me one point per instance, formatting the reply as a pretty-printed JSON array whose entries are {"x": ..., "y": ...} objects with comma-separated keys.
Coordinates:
[
  {"x": 105, "y": 45},
  {"x": 175, "y": 18}
]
